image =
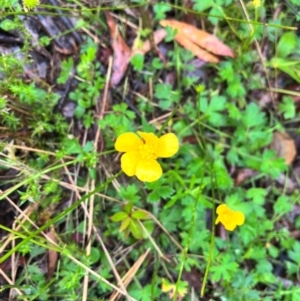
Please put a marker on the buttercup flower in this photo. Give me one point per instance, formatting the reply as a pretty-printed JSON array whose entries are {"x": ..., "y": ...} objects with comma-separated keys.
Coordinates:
[
  {"x": 141, "y": 152},
  {"x": 229, "y": 218},
  {"x": 256, "y": 3}
]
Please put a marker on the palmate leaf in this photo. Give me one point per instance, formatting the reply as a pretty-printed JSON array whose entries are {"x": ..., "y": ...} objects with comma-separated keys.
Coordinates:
[{"x": 225, "y": 269}]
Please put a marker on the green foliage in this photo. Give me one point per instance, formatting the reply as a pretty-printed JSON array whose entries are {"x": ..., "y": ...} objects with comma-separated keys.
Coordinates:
[
  {"x": 160, "y": 10},
  {"x": 166, "y": 96},
  {"x": 225, "y": 270},
  {"x": 55, "y": 167},
  {"x": 131, "y": 221},
  {"x": 137, "y": 62},
  {"x": 287, "y": 107}
]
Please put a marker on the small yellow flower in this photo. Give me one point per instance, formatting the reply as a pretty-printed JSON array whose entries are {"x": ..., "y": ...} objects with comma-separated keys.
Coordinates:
[
  {"x": 170, "y": 288},
  {"x": 30, "y": 4},
  {"x": 256, "y": 3},
  {"x": 142, "y": 151},
  {"x": 229, "y": 218}
]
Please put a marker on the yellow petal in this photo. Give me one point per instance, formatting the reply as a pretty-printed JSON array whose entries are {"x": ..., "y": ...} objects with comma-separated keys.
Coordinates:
[
  {"x": 217, "y": 220},
  {"x": 222, "y": 208},
  {"x": 129, "y": 162},
  {"x": 128, "y": 142},
  {"x": 230, "y": 226},
  {"x": 239, "y": 218},
  {"x": 149, "y": 138},
  {"x": 167, "y": 146},
  {"x": 148, "y": 170}
]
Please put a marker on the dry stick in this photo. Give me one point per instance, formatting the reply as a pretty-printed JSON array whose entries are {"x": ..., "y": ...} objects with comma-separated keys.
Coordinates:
[
  {"x": 87, "y": 269},
  {"x": 92, "y": 198},
  {"x": 36, "y": 150},
  {"x": 25, "y": 217},
  {"x": 130, "y": 274},
  {"x": 161, "y": 255},
  {"x": 89, "y": 237},
  {"x": 87, "y": 232},
  {"x": 123, "y": 291},
  {"x": 11, "y": 283},
  {"x": 13, "y": 269},
  {"x": 87, "y": 213}
]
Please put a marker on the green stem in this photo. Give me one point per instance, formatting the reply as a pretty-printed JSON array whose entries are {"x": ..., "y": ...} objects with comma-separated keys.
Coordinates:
[{"x": 58, "y": 217}]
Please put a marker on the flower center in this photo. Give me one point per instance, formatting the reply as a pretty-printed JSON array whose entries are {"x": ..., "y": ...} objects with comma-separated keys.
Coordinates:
[{"x": 147, "y": 151}]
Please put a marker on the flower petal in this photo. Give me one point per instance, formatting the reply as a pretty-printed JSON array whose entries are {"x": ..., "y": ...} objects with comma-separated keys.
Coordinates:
[
  {"x": 167, "y": 146},
  {"x": 230, "y": 226},
  {"x": 149, "y": 138},
  {"x": 222, "y": 208},
  {"x": 148, "y": 170},
  {"x": 128, "y": 142},
  {"x": 239, "y": 218},
  {"x": 129, "y": 162}
]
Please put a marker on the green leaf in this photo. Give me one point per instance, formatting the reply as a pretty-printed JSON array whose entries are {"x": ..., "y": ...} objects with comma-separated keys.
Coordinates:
[
  {"x": 215, "y": 14},
  {"x": 253, "y": 116},
  {"x": 8, "y": 25},
  {"x": 137, "y": 61},
  {"x": 95, "y": 255},
  {"x": 160, "y": 10},
  {"x": 283, "y": 205},
  {"x": 286, "y": 44},
  {"x": 257, "y": 195},
  {"x": 226, "y": 71},
  {"x": 287, "y": 107},
  {"x": 128, "y": 207},
  {"x": 233, "y": 111},
  {"x": 153, "y": 197},
  {"x": 136, "y": 229},
  {"x": 125, "y": 223},
  {"x": 119, "y": 216},
  {"x": 212, "y": 109},
  {"x": 66, "y": 68},
  {"x": 217, "y": 103},
  {"x": 288, "y": 66},
  {"x": 272, "y": 165},
  {"x": 129, "y": 193},
  {"x": 225, "y": 269},
  {"x": 170, "y": 217},
  {"x": 165, "y": 191},
  {"x": 140, "y": 214},
  {"x": 236, "y": 88},
  {"x": 273, "y": 251},
  {"x": 201, "y": 5},
  {"x": 71, "y": 146}
]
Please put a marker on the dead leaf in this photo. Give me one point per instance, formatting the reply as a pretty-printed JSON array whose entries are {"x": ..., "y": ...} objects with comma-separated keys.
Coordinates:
[
  {"x": 158, "y": 36},
  {"x": 52, "y": 254},
  {"x": 121, "y": 50},
  {"x": 284, "y": 146},
  {"x": 243, "y": 174},
  {"x": 196, "y": 50},
  {"x": 198, "y": 37}
]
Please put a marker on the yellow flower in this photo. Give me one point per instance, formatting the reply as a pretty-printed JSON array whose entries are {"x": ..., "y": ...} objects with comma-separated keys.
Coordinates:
[
  {"x": 142, "y": 151},
  {"x": 229, "y": 218},
  {"x": 30, "y": 4},
  {"x": 256, "y": 3}
]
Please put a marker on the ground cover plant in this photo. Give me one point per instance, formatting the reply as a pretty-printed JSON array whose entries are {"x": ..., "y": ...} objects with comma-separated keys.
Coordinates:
[{"x": 149, "y": 150}]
